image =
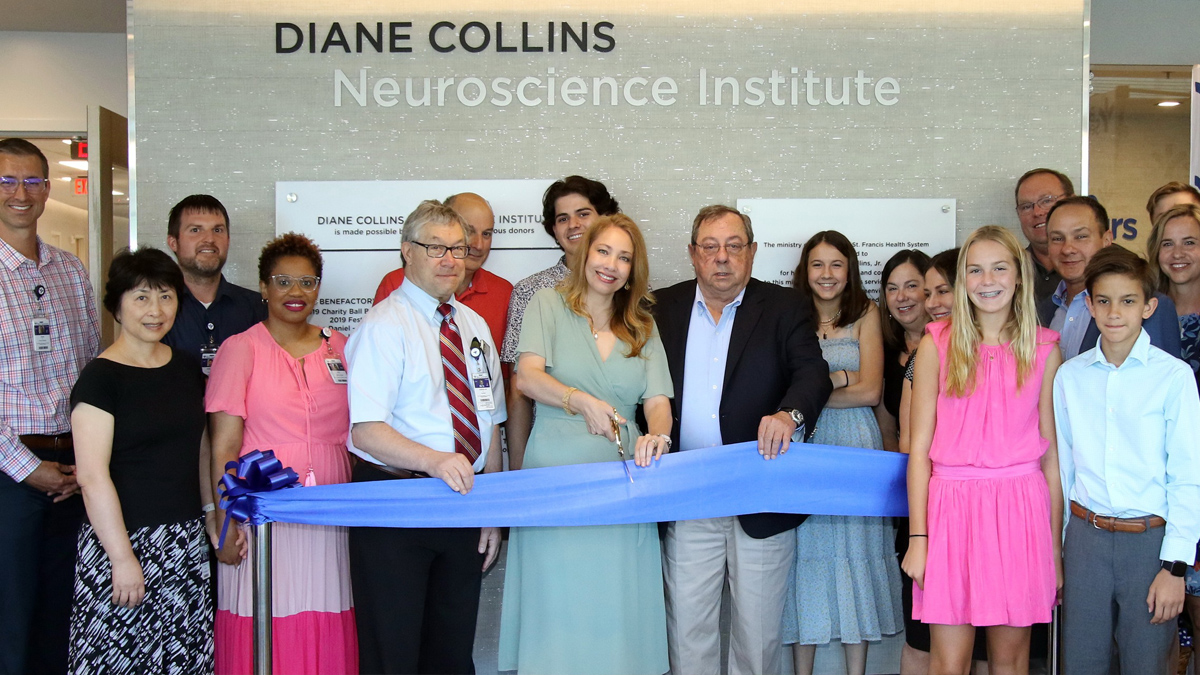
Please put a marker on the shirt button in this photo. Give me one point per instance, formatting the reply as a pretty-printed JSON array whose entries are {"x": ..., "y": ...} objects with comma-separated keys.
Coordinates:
[
  {"x": 714, "y": 417},
  {"x": 1071, "y": 319},
  {"x": 714, "y": 386},
  {"x": 715, "y": 359},
  {"x": 210, "y": 326}
]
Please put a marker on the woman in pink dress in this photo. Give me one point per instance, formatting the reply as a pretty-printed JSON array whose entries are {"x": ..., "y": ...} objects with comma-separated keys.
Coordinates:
[
  {"x": 985, "y": 502},
  {"x": 281, "y": 386}
]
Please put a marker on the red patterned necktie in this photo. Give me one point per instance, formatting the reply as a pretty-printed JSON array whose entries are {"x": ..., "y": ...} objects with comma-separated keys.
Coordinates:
[{"x": 458, "y": 388}]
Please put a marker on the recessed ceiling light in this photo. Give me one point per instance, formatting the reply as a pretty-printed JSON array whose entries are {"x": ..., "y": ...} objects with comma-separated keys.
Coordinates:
[
  {"x": 77, "y": 164},
  {"x": 1168, "y": 104},
  {"x": 67, "y": 141},
  {"x": 66, "y": 178},
  {"x": 118, "y": 194}
]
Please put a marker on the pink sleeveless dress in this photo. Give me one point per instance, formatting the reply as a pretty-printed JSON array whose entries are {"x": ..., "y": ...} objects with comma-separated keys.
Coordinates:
[{"x": 990, "y": 544}]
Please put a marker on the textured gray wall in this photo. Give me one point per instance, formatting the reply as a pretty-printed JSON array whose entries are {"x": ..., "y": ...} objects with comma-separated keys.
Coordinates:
[{"x": 984, "y": 96}]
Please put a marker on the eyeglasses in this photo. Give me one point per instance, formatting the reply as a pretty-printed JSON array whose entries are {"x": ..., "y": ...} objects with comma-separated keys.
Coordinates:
[
  {"x": 1045, "y": 203},
  {"x": 439, "y": 250},
  {"x": 284, "y": 282},
  {"x": 732, "y": 248},
  {"x": 34, "y": 186}
]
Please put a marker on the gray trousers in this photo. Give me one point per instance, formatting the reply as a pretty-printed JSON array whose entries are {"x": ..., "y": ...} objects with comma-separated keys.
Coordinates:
[
  {"x": 1107, "y": 579},
  {"x": 697, "y": 556}
]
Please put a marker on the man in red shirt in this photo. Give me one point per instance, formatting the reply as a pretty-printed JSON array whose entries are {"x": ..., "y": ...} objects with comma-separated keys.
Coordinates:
[{"x": 480, "y": 290}]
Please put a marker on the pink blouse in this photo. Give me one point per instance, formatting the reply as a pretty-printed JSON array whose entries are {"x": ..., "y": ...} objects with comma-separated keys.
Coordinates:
[{"x": 291, "y": 406}]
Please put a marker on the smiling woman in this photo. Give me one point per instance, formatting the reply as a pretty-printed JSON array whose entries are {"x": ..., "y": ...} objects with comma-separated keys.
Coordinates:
[
  {"x": 282, "y": 385},
  {"x": 589, "y": 354},
  {"x": 138, "y": 422}
]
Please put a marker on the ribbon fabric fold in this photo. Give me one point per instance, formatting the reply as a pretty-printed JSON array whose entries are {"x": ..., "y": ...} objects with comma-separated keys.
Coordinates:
[
  {"x": 257, "y": 473},
  {"x": 714, "y": 482}
]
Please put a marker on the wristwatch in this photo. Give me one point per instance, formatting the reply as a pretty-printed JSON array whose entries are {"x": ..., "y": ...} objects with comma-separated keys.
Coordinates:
[
  {"x": 1177, "y": 568},
  {"x": 798, "y": 420}
]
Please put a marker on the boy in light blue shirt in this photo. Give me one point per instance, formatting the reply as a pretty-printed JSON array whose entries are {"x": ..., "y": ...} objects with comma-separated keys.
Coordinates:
[{"x": 1127, "y": 417}]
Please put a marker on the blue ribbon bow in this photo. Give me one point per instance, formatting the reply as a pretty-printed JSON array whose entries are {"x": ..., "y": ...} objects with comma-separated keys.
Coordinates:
[{"x": 255, "y": 471}]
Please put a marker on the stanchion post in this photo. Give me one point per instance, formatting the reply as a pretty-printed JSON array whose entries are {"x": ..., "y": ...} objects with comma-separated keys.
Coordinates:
[
  {"x": 1053, "y": 667},
  {"x": 262, "y": 599}
]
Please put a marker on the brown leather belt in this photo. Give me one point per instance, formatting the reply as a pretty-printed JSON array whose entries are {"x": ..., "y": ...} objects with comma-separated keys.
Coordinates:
[
  {"x": 1111, "y": 524},
  {"x": 44, "y": 442},
  {"x": 396, "y": 473}
]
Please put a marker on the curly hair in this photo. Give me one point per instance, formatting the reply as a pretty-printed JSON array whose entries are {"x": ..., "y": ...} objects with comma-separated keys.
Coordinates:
[
  {"x": 287, "y": 245},
  {"x": 592, "y": 190}
]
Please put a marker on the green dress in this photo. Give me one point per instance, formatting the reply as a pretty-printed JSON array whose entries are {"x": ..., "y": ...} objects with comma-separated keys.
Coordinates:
[{"x": 584, "y": 599}]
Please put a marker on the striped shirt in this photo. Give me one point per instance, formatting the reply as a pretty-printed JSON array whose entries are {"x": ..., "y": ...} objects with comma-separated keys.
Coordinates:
[{"x": 35, "y": 387}]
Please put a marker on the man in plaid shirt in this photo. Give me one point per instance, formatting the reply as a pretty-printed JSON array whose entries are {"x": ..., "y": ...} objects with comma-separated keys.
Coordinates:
[{"x": 48, "y": 332}]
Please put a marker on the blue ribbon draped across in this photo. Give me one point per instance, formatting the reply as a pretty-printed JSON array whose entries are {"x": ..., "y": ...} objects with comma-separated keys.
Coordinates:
[
  {"x": 725, "y": 481},
  {"x": 255, "y": 473}
]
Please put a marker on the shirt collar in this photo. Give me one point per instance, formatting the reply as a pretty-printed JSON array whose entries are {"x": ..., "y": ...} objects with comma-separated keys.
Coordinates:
[
  {"x": 12, "y": 259},
  {"x": 562, "y": 262},
  {"x": 425, "y": 303},
  {"x": 1060, "y": 295},
  {"x": 1140, "y": 351},
  {"x": 479, "y": 284},
  {"x": 700, "y": 306}
]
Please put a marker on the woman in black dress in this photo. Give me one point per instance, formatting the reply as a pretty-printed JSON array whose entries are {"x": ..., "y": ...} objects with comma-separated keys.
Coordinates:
[
  {"x": 141, "y": 581},
  {"x": 902, "y": 306}
]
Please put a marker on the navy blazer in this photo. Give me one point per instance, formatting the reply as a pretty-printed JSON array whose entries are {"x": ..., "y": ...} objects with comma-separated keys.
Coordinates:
[
  {"x": 774, "y": 362},
  {"x": 1162, "y": 326}
]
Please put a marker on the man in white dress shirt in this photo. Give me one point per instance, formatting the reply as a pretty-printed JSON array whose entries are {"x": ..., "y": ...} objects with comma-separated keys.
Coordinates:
[
  {"x": 1127, "y": 417},
  {"x": 426, "y": 399}
]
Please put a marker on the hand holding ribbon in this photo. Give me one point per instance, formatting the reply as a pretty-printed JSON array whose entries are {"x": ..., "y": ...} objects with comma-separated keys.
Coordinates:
[{"x": 255, "y": 471}]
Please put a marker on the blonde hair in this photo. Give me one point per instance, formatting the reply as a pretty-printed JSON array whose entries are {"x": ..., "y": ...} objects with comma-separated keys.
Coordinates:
[
  {"x": 1161, "y": 281},
  {"x": 965, "y": 337},
  {"x": 631, "y": 320}
]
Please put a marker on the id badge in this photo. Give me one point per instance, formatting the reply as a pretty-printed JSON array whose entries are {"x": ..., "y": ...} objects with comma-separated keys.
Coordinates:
[
  {"x": 208, "y": 353},
  {"x": 337, "y": 370},
  {"x": 40, "y": 327},
  {"x": 481, "y": 380}
]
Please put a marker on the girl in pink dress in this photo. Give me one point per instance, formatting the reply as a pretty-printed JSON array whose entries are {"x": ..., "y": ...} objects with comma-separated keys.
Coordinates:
[
  {"x": 281, "y": 386},
  {"x": 985, "y": 502}
]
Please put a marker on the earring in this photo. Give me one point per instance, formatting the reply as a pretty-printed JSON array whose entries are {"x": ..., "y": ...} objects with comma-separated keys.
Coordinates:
[{"x": 626, "y": 285}]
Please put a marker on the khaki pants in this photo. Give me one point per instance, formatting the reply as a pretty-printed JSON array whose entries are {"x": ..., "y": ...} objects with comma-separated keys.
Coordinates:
[{"x": 697, "y": 555}]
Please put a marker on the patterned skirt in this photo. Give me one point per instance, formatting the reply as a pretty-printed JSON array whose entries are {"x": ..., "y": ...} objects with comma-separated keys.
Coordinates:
[{"x": 171, "y": 631}]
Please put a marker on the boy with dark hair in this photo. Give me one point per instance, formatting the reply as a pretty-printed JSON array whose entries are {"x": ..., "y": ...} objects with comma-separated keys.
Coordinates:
[{"x": 1127, "y": 415}]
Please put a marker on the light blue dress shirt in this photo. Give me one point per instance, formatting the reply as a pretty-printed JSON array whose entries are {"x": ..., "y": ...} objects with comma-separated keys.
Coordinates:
[
  {"x": 704, "y": 374},
  {"x": 1128, "y": 440},
  {"x": 394, "y": 360},
  {"x": 1070, "y": 321}
]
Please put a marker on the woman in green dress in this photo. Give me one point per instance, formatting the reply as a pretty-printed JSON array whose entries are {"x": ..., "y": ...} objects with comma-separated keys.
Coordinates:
[{"x": 590, "y": 599}]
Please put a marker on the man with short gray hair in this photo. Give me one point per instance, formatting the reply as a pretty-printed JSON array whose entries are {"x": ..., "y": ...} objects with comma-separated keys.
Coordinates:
[
  {"x": 747, "y": 366},
  {"x": 426, "y": 399}
]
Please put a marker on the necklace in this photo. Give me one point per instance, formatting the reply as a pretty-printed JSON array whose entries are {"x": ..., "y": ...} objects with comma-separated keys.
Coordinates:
[
  {"x": 829, "y": 323},
  {"x": 592, "y": 327}
]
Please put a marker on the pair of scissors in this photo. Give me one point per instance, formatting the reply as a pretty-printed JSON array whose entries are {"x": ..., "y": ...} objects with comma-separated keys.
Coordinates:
[{"x": 616, "y": 429}]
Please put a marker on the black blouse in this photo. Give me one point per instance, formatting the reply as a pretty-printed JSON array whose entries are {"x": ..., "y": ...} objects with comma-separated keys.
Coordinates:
[{"x": 158, "y": 416}]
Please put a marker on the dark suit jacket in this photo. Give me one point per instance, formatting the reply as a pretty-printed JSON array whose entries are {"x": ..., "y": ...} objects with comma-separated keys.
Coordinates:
[
  {"x": 1162, "y": 326},
  {"x": 774, "y": 362}
]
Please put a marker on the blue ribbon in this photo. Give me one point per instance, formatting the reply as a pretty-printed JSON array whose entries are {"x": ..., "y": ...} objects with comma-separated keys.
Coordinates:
[
  {"x": 255, "y": 473},
  {"x": 714, "y": 482}
]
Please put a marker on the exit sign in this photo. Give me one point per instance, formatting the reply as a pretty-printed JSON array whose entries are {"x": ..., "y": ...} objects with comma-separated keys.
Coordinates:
[
  {"x": 79, "y": 149},
  {"x": 81, "y": 185}
]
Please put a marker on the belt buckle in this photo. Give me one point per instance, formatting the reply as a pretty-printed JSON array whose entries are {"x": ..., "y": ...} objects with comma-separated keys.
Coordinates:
[{"x": 1096, "y": 522}]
